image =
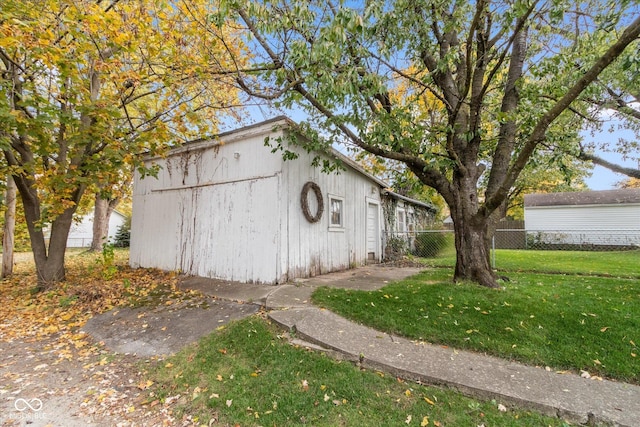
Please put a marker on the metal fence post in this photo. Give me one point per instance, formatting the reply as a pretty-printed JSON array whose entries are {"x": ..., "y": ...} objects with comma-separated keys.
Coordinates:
[{"x": 493, "y": 252}]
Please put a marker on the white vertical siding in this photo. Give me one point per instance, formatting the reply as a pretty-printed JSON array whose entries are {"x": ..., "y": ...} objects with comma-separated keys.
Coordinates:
[
  {"x": 233, "y": 211},
  {"x": 212, "y": 212},
  {"x": 316, "y": 248}
]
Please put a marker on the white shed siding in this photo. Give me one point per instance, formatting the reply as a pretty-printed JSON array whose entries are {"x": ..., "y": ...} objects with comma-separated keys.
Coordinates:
[
  {"x": 316, "y": 248},
  {"x": 233, "y": 211},
  {"x": 212, "y": 211}
]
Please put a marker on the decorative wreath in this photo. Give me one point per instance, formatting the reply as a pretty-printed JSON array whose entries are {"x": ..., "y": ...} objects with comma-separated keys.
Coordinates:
[{"x": 304, "y": 202}]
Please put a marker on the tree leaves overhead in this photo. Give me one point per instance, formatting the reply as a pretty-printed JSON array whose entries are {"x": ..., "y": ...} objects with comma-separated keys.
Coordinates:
[
  {"x": 465, "y": 94},
  {"x": 87, "y": 86},
  {"x": 342, "y": 61}
]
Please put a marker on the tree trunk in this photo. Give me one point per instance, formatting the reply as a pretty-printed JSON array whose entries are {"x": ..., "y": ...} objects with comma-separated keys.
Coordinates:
[
  {"x": 9, "y": 228},
  {"x": 53, "y": 270},
  {"x": 49, "y": 259},
  {"x": 473, "y": 255},
  {"x": 101, "y": 215},
  {"x": 101, "y": 219}
]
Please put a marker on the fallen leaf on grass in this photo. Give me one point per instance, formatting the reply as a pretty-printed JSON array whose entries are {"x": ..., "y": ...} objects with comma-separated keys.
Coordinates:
[
  {"x": 143, "y": 385},
  {"x": 66, "y": 306},
  {"x": 196, "y": 393}
]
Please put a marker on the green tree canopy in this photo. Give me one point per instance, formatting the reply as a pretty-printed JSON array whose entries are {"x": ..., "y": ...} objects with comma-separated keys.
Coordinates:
[
  {"x": 87, "y": 85},
  {"x": 501, "y": 73}
]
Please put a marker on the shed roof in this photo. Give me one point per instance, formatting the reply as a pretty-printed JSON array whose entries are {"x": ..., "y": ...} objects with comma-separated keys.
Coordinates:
[
  {"x": 605, "y": 197},
  {"x": 283, "y": 122}
]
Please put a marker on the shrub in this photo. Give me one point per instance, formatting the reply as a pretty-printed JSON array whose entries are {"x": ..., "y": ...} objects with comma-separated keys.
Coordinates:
[
  {"x": 123, "y": 235},
  {"x": 430, "y": 243},
  {"x": 396, "y": 248}
]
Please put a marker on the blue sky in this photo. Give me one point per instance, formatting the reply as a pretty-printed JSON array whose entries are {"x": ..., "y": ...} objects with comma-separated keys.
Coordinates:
[{"x": 602, "y": 178}]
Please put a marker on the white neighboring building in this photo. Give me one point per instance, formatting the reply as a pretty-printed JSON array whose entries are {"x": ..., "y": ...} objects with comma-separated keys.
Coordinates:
[
  {"x": 232, "y": 209},
  {"x": 590, "y": 218},
  {"x": 81, "y": 232}
]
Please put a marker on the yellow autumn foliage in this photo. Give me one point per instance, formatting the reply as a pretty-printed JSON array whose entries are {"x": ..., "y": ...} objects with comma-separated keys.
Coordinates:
[{"x": 86, "y": 292}]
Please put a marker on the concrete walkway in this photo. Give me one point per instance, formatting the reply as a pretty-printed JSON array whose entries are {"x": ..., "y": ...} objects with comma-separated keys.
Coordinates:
[{"x": 577, "y": 399}]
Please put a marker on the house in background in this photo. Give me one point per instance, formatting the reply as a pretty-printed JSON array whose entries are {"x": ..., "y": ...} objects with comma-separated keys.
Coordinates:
[
  {"x": 81, "y": 232},
  {"x": 608, "y": 218},
  {"x": 229, "y": 208}
]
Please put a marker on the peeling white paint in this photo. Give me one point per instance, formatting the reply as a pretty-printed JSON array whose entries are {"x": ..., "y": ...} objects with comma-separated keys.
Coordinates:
[{"x": 231, "y": 210}]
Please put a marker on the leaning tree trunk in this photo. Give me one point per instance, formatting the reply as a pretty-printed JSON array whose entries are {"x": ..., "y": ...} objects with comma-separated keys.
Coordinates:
[
  {"x": 9, "y": 228},
  {"x": 49, "y": 259},
  {"x": 52, "y": 270}
]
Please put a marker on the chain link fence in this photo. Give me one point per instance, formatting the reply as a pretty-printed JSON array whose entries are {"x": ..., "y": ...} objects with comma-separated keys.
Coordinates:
[
  {"x": 422, "y": 244},
  {"x": 433, "y": 243}
]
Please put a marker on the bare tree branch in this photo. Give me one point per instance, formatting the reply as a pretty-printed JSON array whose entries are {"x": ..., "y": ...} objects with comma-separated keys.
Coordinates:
[{"x": 631, "y": 172}]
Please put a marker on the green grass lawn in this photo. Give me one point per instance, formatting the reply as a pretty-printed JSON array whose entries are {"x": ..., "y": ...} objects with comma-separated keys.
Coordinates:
[
  {"x": 613, "y": 263},
  {"x": 565, "y": 321},
  {"x": 246, "y": 374}
]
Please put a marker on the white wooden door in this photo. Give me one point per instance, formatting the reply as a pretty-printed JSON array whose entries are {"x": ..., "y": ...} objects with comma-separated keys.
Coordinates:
[{"x": 373, "y": 232}]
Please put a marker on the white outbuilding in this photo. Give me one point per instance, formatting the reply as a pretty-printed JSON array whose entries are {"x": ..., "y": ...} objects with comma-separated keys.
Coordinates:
[
  {"x": 230, "y": 208},
  {"x": 81, "y": 232},
  {"x": 609, "y": 218}
]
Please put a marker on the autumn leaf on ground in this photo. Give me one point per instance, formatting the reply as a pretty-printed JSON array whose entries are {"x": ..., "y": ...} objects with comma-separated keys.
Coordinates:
[{"x": 64, "y": 308}]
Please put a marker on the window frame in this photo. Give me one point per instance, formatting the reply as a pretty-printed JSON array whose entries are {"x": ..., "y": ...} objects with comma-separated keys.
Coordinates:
[
  {"x": 402, "y": 211},
  {"x": 332, "y": 225}
]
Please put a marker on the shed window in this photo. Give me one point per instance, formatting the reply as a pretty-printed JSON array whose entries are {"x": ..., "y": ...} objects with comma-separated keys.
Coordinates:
[
  {"x": 336, "y": 214},
  {"x": 401, "y": 220}
]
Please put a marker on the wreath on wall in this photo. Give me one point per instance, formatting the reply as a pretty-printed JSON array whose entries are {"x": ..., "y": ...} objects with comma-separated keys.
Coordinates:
[{"x": 304, "y": 201}]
